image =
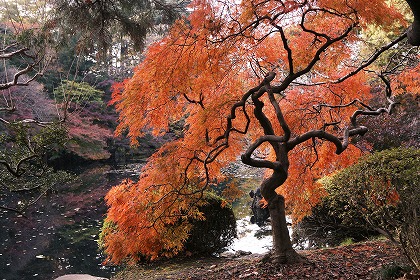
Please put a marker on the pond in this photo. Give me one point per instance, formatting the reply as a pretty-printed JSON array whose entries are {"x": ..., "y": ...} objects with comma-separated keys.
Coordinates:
[
  {"x": 60, "y": 235},
  {"x": 251, "y": 237}
]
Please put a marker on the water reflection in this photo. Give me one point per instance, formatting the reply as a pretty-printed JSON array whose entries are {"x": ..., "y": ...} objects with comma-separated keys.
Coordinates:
[
  {"x": 252, "y": 238},
  {"x": 59, "y": 236},
  {"x": 61, "y": 233}
]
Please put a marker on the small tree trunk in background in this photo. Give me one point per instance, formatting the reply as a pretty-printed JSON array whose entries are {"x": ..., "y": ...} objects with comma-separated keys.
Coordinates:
[{"x": 283, "y": 251}]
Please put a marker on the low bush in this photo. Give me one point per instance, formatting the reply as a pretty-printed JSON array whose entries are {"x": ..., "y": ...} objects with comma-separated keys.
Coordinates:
[
  {"x": 381, "y": 193},
  {"x": 214, "y": 233}
]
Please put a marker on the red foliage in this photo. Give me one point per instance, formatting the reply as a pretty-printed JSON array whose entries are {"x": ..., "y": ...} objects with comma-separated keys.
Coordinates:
[{"x": 198, "y": 73}]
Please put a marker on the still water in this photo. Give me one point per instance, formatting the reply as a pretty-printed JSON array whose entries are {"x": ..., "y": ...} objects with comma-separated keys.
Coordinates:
[
  {"x": 251, "y": 238},
  {"x": 60, "y": 234}
]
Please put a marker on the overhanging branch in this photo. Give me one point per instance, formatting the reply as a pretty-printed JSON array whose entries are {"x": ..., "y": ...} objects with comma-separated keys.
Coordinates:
[
  {"x": 18, "y": 171},
  {"x": 17, "y": 75}
]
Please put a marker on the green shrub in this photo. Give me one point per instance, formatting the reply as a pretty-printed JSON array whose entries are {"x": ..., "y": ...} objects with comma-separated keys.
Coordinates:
[
  {"x": 331, "y": 223},
  {"x": 381, "y": 193},
  {"x": 392, "y": 271},
  {"x": 216, "y": 231},
  {"x": 347, "y": 241},
  {"x": 77, "y": 92}
]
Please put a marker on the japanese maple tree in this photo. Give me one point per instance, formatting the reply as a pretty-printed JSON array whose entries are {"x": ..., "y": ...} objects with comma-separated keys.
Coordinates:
[{"x": 279, "y": 84}]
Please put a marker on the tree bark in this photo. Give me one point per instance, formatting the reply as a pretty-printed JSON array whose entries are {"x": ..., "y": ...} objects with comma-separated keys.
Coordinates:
[
  {"x": 283, "y": 251},
  {"x": 413, "y": 33}
]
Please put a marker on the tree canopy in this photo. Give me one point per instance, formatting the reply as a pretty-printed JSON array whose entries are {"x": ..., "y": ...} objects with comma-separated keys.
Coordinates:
[
  {"x": 100, "y": 25},
  {"x": 281, "y": 85}
]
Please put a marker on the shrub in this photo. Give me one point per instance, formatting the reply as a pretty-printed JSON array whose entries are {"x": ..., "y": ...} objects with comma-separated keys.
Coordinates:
[
  {"x": 214, "y": 233},
  {"x": 380, "y": 192},
  {"x": 79, "y": 93},
  {"x": 329, "y": 225}
]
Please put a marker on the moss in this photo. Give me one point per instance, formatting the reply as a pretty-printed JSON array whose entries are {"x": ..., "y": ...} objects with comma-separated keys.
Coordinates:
[
  {"x": 393, "y": 271},
  {"x": 347, "y": 241}
]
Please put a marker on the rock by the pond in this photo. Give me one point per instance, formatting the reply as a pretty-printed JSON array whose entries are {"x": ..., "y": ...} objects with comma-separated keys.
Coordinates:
[
  {"x": 236, "y": 254},
  {"x": 260, "y": 214},
  {"x": 79, "y": 277}
]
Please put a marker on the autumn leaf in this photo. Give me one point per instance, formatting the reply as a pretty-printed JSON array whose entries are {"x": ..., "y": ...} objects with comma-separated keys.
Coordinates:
[{"x": 277, "y": 84}]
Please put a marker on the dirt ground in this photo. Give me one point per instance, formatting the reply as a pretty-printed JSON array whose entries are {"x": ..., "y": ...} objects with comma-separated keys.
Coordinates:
[{"x": 368, "y": 260}]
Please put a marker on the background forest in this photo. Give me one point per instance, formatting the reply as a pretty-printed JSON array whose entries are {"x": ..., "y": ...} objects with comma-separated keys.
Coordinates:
[{"x": 76, "y": 108}]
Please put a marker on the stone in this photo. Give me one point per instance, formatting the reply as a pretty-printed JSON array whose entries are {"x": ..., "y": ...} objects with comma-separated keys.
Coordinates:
[{"x": 79, "y": 277}]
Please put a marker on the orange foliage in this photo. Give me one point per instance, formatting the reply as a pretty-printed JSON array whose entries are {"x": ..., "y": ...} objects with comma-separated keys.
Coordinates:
[
  {"x": 263, "y": 203},
  {"x": 232, "y": 192},
  {"x": 301, "y": 189},
  {"x": 370, "y": 12},
  {"x": 199, "y": 71}
]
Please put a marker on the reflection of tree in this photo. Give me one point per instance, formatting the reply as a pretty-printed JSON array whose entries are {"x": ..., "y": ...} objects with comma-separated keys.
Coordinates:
[{"x": 23, "y": 166}]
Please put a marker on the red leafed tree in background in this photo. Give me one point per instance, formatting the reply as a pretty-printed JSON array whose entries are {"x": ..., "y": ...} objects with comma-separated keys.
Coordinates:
[{"x": 280, "y": 84}]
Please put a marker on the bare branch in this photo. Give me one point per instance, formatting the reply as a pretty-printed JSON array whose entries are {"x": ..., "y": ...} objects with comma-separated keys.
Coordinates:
[
  {"x": 279, "y": 114},
  {"x": 13, "y": 210},
  {"x": 371, "y": 59},
  {"x": 29, "y": 121},
  {"x": 18, "y": 171},
  {"x": 12, "y": 54},
  {"x": 286, "y": 47},
  {"x": 241, "y": 104},
  {"x": 379, "y": 111},
  {"x": 15, "y": 81},
  {"x": 247, "y": 156},
  {"x": 6, "y": 49}
]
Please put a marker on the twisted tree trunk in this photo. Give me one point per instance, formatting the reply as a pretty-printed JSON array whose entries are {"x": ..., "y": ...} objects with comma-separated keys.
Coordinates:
[
  {"x": 413, "y": 33},
  {"x": 283, "y": 251}
]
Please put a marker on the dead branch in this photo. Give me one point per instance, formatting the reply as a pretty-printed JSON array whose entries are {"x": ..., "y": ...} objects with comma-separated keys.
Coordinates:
[{"x": 16, "y": 82}]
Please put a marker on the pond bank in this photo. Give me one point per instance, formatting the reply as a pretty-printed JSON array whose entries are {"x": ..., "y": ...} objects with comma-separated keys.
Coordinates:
[{"x": 367, "y": 260}]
